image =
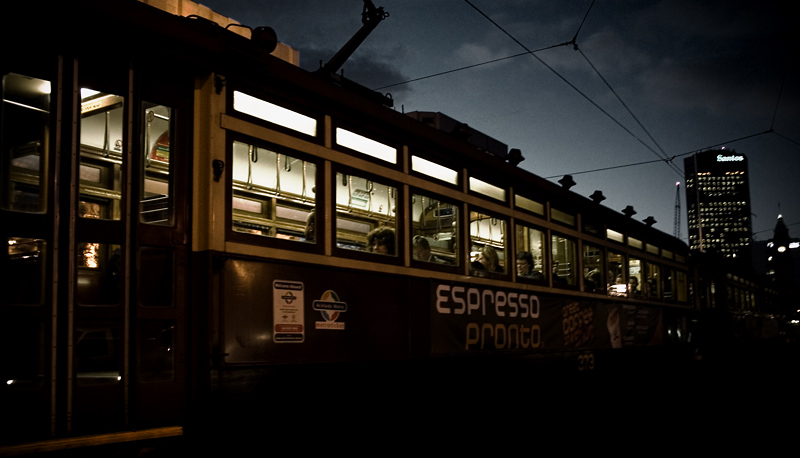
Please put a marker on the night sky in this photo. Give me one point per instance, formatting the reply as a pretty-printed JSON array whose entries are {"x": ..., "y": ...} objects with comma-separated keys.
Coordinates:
[{"x": 693, "y": 74}]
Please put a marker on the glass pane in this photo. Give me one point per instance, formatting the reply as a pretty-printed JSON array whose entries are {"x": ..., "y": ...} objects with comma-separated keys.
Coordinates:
[
  {"x": 593, "y": 277},
  {"x": 681, "y": 287},
  {"x": 434, "y": 230},
  {"x": 616, "y": 274},
  {"x": 99, "y": 274},
  {"x": 97, "y": 354},
  {"x": 156, "y": 350},
  {"x": 155, "y": 277},
  {"x": 156, "y": 205},
  {"x": 653, "y": 280},
  {"x": 25, "y": 140},
  {"x": 23, "y": 282},
  {"x": 668, "y": 283},
  {"x": 273, "y": 194},
  {"x": 22, "y": 349},
  {"x": 635, "y": 277},
  {"x": 102, "y": 156},
  {"x": 487, "y": 243},
  {"x": 531, "y": 257},
  {"x": 564, "y": 257},
  {"x": 365, "y": 215}
]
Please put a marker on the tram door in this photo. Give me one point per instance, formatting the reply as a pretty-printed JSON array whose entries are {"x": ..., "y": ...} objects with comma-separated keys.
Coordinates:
[
  {"x": 95, "y": 167},
  {"x": 129, "y": 241}
]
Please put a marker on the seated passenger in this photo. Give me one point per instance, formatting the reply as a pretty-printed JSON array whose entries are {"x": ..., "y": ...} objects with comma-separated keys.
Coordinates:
[
  {"x": 525, "y": 266},
  {"x": 422, "y": 251},
  {"x": 310, "y": 231},
  {"x": 592, "y": 281},
  {"x": 381, "y": 240},
  {"x": 487, "y": 260},
  {"x": 633, "y": 287}
]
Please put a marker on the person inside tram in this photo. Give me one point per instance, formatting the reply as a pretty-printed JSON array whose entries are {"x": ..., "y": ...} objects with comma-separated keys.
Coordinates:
[
  {"x": 525, "y": 266},
  {"x": 556, "y": 277},
  {"x": 422, "y": 251},
  {"x": 633, "y": 287},
  {"x": 311, "y": 226},
  {"x": 381, "y": 240},
  {"x": 487, "y": 260},
  {"x": 592, "y": 281}
]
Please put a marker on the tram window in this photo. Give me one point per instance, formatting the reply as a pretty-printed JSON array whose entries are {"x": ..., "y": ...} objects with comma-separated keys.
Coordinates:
[
  {"x": 487, "y": 243},
  {"x": 653, "y": 280},
  {"x": 23, "y": 281},
  {"x": 668, "y": 283},
  {"x": 99, "y": 274},
  {"x": 681, "y": 286},
  {"x": 156, "y": 277},
  {"x": 102, "y": 157},
  {"x": 666, "y": 254},
  {"x": 564, "y": 260},
  {"x": 275, "y": 114},
  {"x": 617, "y": 286},
  {"x": 634, "y": 243},
  {"x": 22, "y": 349},
  {"x": 273, "y": 194},
  {"x": 434, "y": 170},
  {"x": 156, "y": 350},
  {"x": 25, "y": 140},
  {"x": 614, "y": 235},
  {"x": 652, "y": 249},
  {"x": 489, "y": 190},
  {"x": 531, "y": 255},
  {"x": 562, "y": 217},
  {"x": 593, "y": 269},
  {"x": 434, "y": 230},
  {"x": 366, "y": 145},
  {"x": 156, "y": 204},
  {"x": 365, "y": 215},
  {"x": 97, "y": 354},
  {"x": 635, "y": 283},
  {"x": 528, "y": 204}
]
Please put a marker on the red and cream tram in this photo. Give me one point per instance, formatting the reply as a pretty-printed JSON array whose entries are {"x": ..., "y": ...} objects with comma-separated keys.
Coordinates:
[{"x": 185, "y": 213}]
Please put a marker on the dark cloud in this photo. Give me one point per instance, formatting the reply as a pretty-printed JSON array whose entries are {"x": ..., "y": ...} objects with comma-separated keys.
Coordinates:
[{"x": 365, "y": 68}]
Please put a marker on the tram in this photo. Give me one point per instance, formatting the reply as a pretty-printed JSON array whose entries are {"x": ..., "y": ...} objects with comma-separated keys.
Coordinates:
[{"x": 189, "y": 218}]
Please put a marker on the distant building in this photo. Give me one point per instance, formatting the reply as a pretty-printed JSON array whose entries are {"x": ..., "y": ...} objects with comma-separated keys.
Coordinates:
[{"x": 718, "y": 204}]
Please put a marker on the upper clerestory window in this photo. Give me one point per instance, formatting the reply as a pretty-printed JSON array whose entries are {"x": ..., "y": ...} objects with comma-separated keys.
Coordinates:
[{"x": 275, "y": 114}]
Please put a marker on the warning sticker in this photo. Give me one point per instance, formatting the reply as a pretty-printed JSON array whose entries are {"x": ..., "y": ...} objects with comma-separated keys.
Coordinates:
[{"x": 287, "y": 310}]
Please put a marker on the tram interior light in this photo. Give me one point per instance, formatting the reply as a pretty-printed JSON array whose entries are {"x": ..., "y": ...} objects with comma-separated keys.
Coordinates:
[{"x": 365, "y": 145}]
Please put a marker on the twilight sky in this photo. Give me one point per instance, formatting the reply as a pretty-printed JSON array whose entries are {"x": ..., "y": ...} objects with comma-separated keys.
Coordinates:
[{"x": 694, "y": 74}]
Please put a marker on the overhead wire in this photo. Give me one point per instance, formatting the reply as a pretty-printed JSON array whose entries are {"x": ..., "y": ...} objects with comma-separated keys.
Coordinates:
[{"x": 573, "y": 42}]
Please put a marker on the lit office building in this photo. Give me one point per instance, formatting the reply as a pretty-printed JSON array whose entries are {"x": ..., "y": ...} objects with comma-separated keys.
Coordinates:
[{"x": 718, "y": 203}]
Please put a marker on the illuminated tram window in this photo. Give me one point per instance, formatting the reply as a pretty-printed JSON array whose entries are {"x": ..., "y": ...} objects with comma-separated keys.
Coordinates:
[
  {"x": 653, "y": 281},
  {"x": 531, "y": 253},
  {"x": 562, "y": 217},
  {"x": 25, "y": 143},
  {"x": 635, "y": 243},
  {"x": 635, "y": 273},
  {"x": 156, "y": 205},
  {"x": 487, "y": 189},
  {"x": 528, "y": 204},
  {"x": 275, "y": 114},
  {"x": 101, "y": 154},
  {"x": 593, "y": 269},
  {"x": 652, "y": 249},
  {"x": 434, "y": 230},
  {"x": 564, "y": 260},
  {"x": 617, "y": 286},
  {"x": 273, "y": 194},
  {"x": 365, "y": 145},
  {"x": 365, "y": 215},
  {"x": 614, "y": 235},
  {"x": 434, "y": 170},
  {"x": 487, "y": 243}
]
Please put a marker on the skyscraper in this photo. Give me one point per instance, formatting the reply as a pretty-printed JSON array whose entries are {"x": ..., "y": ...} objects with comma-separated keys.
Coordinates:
[{"x": 718, "y": 203}]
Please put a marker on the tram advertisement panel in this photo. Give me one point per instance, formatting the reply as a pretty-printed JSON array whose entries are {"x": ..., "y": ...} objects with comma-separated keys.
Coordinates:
[{"x": 477, "y": 318}]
